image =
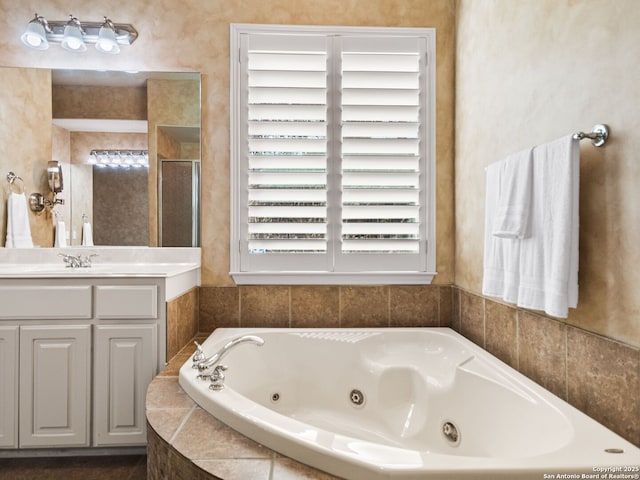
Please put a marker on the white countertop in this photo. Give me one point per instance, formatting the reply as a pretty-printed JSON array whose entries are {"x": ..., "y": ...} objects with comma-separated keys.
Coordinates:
[{"x": 59, "y": 270}]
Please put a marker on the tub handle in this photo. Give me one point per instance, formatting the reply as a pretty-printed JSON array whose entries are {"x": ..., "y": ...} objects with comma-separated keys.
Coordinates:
[
  {"x": 198, "y": 356},
  {"x": 217, "y": 378}
]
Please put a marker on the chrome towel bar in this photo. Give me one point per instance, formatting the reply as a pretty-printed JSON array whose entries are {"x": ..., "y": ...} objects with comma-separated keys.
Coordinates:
[{"x": 598, "y": 136}]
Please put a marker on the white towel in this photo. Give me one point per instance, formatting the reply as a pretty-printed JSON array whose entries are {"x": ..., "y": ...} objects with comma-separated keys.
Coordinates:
[
  {"x": 61, "y": 235},
  {"x": 549, "y": 256},
  {"x": 87, "y": 235},
  {"x": 514, "y": 202},
  {"x": 18, "y": 229},
  {"x": 501, "y": 276}
]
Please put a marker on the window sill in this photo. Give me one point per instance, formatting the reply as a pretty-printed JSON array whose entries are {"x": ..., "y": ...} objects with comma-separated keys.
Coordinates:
[{"x": 326, "y": 278}]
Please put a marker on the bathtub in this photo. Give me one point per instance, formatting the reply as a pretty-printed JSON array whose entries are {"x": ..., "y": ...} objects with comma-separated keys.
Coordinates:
[{"x": 421, "y": 403}]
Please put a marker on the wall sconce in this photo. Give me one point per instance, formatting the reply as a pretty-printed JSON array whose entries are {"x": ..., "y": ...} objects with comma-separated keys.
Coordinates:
[
  {"x": 37, "y": 201},
  {"x": 74, "y": 36}
]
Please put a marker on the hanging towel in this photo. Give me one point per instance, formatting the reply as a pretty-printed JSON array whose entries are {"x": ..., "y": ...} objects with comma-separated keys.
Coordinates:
[
  {"x": 87, "y": 235},
  {"x": 61, "y": 235},
  {"x": 501, "y": 276},
  {"x": 18, "y": 229},
  {"x": 549, "y": 256},
  {"x": 514, "y": 201}
]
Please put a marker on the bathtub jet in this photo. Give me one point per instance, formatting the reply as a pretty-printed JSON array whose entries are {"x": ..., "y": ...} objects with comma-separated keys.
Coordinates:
[{"x": 400, "y": 403}]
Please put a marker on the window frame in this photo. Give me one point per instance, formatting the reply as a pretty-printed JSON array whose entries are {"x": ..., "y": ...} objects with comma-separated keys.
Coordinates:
[{"x": 321, "y": 277}]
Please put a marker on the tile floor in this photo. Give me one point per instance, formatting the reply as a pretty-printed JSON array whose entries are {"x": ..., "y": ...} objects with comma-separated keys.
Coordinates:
[{"x": 123, "y": 467}]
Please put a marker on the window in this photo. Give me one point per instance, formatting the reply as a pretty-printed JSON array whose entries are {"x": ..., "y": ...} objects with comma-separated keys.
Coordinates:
[{"x": 332, "y": 154}]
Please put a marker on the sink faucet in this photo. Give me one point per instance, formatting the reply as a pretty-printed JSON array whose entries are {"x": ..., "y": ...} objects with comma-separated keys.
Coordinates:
[
  {"x": 77, "y": 261},
  {"x": 204, "y": 364}
]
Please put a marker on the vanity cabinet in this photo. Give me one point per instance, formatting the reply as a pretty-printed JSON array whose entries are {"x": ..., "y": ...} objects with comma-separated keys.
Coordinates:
[
  {"x": 8, "y": 386},
  {"x": 76, "y": 358},
  {"x": 124, "y": 365},
  {"x": 55, "y": 366}
]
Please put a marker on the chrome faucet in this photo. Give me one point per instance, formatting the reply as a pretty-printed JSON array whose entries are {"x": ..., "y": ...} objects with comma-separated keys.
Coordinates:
[
  {"x": 205, "y": 364},
  {"x": 217, "y": 378},
  {"x": 77, "y": 261}
]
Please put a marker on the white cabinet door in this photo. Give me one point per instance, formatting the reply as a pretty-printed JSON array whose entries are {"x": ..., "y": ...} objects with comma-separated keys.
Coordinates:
[
  {"x": 125, "y": 359},
  {"x": 9, "y": 387},
  {"x": 55, "y": 363}
]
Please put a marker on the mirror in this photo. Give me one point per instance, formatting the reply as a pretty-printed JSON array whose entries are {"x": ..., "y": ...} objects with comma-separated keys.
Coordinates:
[
  {"x": 123, "y": 127},
  {"x": 99, "y": 126}
]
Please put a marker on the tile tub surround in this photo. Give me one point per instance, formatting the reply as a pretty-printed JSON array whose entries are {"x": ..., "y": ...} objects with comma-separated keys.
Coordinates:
[
  {"x": 186, "y": 442},
  {"x": 325, "y": 306},
  {"x": 597, "y": 375},
  {"x": 182, "y": 321}
]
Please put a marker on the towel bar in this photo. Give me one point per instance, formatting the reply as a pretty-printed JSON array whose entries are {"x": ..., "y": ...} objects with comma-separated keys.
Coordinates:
[{"x": 598, "y": 136}]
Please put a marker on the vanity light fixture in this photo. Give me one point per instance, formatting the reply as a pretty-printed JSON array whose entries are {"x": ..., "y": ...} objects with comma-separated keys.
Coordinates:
[
  {"x": 74, "y": 36},
  {"x": 119, "y": 158}
]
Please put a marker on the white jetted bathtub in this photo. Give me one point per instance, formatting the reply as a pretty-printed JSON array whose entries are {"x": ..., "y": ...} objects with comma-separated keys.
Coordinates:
[{"x": 400, "y": 403}]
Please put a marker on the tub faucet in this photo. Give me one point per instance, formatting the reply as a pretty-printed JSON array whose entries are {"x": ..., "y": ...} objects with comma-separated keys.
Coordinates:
[{"x": 214, "y": 359}]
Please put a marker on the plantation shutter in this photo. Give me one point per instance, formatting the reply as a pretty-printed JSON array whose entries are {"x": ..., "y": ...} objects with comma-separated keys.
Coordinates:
[
  {"x": 331, "y": 152},
  {"x": 286, "y": 88},
  {"x": 383, "y": 160}
]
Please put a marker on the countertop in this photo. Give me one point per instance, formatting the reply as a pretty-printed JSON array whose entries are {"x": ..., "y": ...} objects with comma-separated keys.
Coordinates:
[{"x": 96, "y": 270}]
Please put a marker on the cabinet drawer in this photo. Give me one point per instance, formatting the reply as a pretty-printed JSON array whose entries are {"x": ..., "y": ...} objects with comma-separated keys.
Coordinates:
[
  {"x": 126, "y": 301},
  {"x": 45, "y": 301}
]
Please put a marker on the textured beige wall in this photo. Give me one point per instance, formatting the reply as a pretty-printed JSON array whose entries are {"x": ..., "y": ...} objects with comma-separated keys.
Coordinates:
[
  {"x": 173, "y": 103},
  {"x": 60, "y": 148},
  {"x": 25, "y": 142},
  {"x": 530, "y": 71},
  {"x": 120, "y": 103},
  {"x": 192, "y": 35},
  {"x": 81, "y": 178}
]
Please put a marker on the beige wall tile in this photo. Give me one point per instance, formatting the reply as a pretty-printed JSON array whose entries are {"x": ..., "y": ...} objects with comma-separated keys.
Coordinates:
[
  {"x": 364, "y": 307},
  {"x": 602, "y": 377},
  {"x": 287, "y": 469},
  {"x": 315, "y": 306},
  {"x": 182, "y": 321},
  {"x": 455, "y": 310},
  {"x": 472, "y": 317},
  {"x": 219, "y": 308},
  {"x": 446, "y": 306},
  {"x": 203, "y": 437},
  {"x": 414, "y": 306},
  {"x": 542, "y": 351},
  {"x": 501, "y": 328},
  {"x": 164, "y": 392},
  {"x": 264, "y": 306},
  {"x": 237, "y": 469}
]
